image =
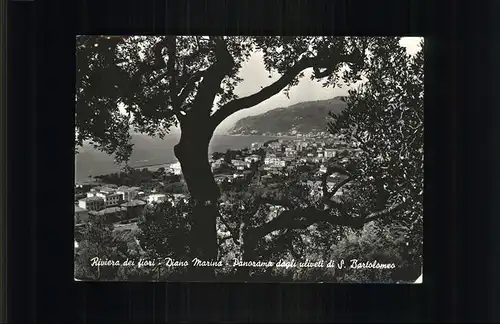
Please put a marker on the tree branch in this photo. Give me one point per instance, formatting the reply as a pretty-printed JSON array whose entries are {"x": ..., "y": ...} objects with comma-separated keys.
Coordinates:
[
  {"x": 303, "y": 218},
  {"x": 189, "y": 85},
  {"x": 276, "y": 202},
  {"x": 171, "y": 43},
  {"x": 295, "y": 255},
  {"x": 267, "y": 92},
  {"x": 328, "y": 63},
  {"x": 233, "y": 232},
  {"x": 329, "y": 171},
  {"x": 338, "y": 186},
  {"x": 212, "y": 78}
]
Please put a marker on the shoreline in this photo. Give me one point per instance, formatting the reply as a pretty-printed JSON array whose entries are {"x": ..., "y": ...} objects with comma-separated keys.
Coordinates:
[
  {"x": 156, "y": 166},
  {"x": 276, "y": 136}
]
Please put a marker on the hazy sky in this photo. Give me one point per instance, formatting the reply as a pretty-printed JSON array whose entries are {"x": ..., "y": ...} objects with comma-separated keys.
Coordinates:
[{"x": 255, "y": 76}]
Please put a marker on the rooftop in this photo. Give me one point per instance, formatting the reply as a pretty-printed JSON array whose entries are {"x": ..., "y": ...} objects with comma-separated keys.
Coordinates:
[
  {"x": 132, "y": 203},
  {"x": 157, "y": 195},
  {"x": 110, "y": 210},
  {"x": 92, "y": 199},
  {"x": 107, "y": 189}
]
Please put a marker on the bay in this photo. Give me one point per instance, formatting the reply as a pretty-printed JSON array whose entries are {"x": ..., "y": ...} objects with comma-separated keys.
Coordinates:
[{"x": 152, "y": 153}]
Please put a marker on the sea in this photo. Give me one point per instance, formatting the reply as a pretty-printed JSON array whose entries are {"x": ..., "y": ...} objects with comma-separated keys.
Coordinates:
[{"x": 152, "y": 153}]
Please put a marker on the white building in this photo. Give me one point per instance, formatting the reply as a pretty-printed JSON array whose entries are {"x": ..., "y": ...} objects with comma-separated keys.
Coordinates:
[
  {"x": 275, "y": 146},
  {"x": 110, "y": 197},
  {"x": 239, "y": 164},
  {"x": 330, "y": 153},
  {"x": 175, "y": 168},
  {"x": 274, "y": 162},
  {"x": 238, "y": 175},
  {"x": 222, "y": 178},
  {"x": 179, "y": 197},
  {"x": 128, "y": 194},
  {"x": 91, "y": 203},
  {"x": 156, "y": 198},
  {"x": 252, "y": 158}
]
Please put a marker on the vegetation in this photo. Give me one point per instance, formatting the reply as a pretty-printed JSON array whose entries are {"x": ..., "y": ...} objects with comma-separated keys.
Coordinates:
[{"x": 165, "y": 81}]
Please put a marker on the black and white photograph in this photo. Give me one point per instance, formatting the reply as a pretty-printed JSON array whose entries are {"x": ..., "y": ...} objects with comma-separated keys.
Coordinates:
[{"x": 249, "y": 159}]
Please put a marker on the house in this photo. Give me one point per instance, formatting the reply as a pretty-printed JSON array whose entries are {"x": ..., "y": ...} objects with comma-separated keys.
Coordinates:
[
  {"x": 217, "y": 164},
  {"x": 238, "y": 175},
  {"x": 301, "y": 146},
  {"x": 175, "y": 168},
  {"x": 223, "y": 178},
  {"x": 252, "y": 158},
  {"x": 128, "y": 194},
  {"x": 110, "y": 197},
  {"x": 134, "y": 208},
  {"x": 91, "y": 203},
  {"x": 239, "y": 164},
  {"x": 275, "y": 146},
  {"x": 271, "y": 159},
  {"x": 156, "y": 198},
  {"x": 111, "y": 214},
  {"x": 330, "y": 153},
  {"x": 323, "y": 168},
  {"x": 274, "y": 162},
  {"x": 180, "y": 197},
  {"x": 81, "y": 215}
]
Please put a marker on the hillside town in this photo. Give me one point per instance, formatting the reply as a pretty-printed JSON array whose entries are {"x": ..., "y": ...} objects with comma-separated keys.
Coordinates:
[{"x": 122, "y": 205}]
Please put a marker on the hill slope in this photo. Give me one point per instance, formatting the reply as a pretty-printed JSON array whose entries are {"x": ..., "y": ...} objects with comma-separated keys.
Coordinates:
[{"x": 303, "y": 117}]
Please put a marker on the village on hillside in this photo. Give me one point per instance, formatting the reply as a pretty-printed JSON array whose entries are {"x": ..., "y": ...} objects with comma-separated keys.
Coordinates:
[{"x": 123, "y": 206}]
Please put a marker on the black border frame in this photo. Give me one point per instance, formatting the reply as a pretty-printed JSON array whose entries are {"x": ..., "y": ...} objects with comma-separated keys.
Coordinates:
[{"x": 40, "y": 166}]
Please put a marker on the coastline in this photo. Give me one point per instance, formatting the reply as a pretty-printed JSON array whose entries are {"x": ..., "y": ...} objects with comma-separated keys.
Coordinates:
[
  {"x": 274, "y": 136},
  {"x": 220, "y": 145}
]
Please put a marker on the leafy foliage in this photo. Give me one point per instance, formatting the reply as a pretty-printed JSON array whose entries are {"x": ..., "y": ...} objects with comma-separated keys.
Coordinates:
[
  {"x": 98, "y": 243},
  {"x": 384, "y": 118},
  {"x": 165, "y": 233}
]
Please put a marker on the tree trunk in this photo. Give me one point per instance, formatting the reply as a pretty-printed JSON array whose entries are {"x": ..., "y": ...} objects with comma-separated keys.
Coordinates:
[{"x": 192, "y": 153}]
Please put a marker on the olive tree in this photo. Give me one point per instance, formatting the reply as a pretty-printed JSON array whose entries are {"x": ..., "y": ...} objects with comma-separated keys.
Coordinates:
[{"x": 189, "y": 81}]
